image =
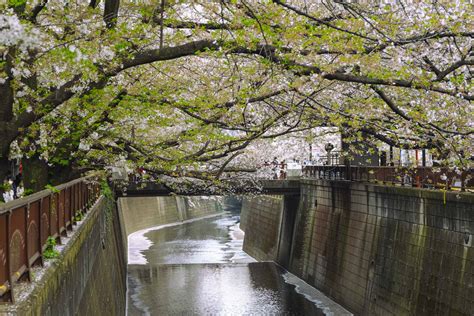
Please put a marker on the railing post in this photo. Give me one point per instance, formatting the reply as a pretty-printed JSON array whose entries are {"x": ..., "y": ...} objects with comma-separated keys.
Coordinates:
[
  {"x": 50, "y": 226},
  {"x": 70, "y": 194},
  {"x": 52, "y": 201},
  {"x": 40, "y": 231},
  {"x": 86, "y": 189},
  {"x": 347, "y": 164},
  {"x": 417, "y": 177},
  {"x": 27, "y": 255},
  {"x": 9, "y": 254},
  {"x": 72, "y": 205},
  {"x": 57, "y": 198}
]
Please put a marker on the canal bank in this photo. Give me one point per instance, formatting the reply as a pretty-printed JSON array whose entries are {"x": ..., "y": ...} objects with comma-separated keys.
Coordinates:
[
  {"x": 377, "y": 250},
  {"x": 88, "y": 276}
]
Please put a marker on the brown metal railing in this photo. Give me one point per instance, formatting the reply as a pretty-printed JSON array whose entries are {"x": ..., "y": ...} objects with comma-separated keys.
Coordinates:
[
  {"x": 421, "y": 177},
  {"x": 26, "y": 224}
]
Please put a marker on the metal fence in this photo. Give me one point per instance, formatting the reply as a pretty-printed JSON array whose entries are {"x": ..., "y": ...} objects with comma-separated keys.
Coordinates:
[
  {"x": 334, "y": 157},
  {"x": 26, "y": 224},
  {"x": 421, "y": 177}
]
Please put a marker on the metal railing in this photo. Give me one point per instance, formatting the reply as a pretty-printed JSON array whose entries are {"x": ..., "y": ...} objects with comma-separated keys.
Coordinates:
[
  {"x": 335, "y": 157},
  {"x": 420, "y": 177},
  {"x": 27, "y": 223}
]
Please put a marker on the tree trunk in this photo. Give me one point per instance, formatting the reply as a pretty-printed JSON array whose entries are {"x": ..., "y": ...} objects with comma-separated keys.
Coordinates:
[
  {"x": 4, "y": 171},
  {"x": 362, "y": 155},
  {"x": 111, "y": 9},
  {"x": 4, "y": 168},
  {"x": 35, "y": 174},
  {"x": 62, "y": 174}
]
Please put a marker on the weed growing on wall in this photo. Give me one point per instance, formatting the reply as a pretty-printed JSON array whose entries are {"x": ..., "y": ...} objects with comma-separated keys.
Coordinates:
[
  {"x": 50, "y": 252},
  {"x": 6, "y": 186},
  {"x": 28, "y": 192},
  {"x": 79, "y": 216},
  {"x": 52, "y": 188},
  {"x": 105, "y": 190}
]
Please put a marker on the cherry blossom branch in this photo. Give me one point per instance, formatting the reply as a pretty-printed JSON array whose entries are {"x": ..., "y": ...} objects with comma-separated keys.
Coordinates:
[{"x": 37, "y": 9}]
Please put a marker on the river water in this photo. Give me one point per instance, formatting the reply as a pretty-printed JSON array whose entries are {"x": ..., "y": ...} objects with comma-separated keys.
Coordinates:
[{"x": 199, "y": 268}]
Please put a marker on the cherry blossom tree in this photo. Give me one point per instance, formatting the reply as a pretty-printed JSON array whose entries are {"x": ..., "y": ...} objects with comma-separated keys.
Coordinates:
[{"x": 184, "y": 87}]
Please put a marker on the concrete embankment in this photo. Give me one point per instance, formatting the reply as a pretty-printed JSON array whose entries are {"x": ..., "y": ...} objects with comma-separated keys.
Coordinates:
[
  {"x": 376, "y": 250},
  {"x": 261, "y": 221},
  {"x": 88, "y": 277},
  {"x": 139, "y": 213}
]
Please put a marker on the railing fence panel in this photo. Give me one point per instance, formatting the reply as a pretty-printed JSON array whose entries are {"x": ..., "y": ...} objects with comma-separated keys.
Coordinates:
[
  {"x": 420, "y": 177},
  {"x": 27, "y": 223}
]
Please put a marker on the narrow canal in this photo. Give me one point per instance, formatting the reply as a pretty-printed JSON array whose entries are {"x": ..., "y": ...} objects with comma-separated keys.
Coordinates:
[{"x": 199, "y": 268}]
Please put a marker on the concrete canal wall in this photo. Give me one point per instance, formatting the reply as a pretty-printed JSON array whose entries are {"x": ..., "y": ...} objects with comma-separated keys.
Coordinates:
[
  {"x": 376, "y": 250},
  {"x": 88, "y": 277},
  {"x": 261, "y": 221},
  {"x": 139, "y": 213}
]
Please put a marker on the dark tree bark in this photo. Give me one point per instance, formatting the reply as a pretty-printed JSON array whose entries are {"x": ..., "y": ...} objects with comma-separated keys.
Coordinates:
[
  {"x": 62, "y": 174},
  {"x": 35, "y": 173},
  {"x": 362, "y": 156},
  {"x": 93, "y": 3},
  {"x": 6, "y": 100},
  {"x": 6, "y": 90},
  {"x": 37, "y": 9},
  {"x": 6, "y": 115},
  {"x": 4, "y": 171},
  {"x": 111, "y": 12}
]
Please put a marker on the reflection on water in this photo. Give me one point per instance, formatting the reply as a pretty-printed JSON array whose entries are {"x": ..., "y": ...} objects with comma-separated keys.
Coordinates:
[
  {"x": 216, "y": 289},
  {"x": 199, "y": 268},
  {"x": 212, "y": 240}
]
